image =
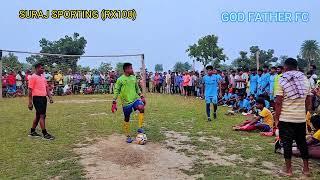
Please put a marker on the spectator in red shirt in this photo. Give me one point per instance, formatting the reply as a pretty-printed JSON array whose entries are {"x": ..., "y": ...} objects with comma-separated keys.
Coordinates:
[{"x": 11, "y": 79}]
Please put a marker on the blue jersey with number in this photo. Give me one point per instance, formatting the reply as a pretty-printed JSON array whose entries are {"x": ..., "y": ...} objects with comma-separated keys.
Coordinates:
[
  {"x": 265, "y": 79},
  {"x": 253, "y": 83},
  {"x": 211, "y": 84}
]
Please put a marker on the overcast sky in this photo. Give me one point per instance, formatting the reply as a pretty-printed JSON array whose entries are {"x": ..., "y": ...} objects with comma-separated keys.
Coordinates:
[{"x": 163, "y": 29}]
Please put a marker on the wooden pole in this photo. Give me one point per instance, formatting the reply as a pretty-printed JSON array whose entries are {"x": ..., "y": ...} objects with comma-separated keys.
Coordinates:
[
  {"x": 257, "y": 59},
  {"x": 1, "y": 74},
  {"x": 143, "y": 75}
]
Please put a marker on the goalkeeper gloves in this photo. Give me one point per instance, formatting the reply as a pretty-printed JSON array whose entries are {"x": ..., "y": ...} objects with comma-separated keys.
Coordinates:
[
  {"x": 114, "y": 107},
  {"x": 143, "y": 99}
]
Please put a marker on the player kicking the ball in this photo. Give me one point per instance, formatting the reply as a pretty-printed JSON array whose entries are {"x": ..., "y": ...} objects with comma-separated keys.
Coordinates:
[
  {"x": 127, "y": 88},
  {"x": 212, "y": 84}
]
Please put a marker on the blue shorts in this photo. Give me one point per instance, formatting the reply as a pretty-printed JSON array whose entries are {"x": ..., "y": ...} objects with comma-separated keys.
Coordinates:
[
  {"x": 265, "y": 127},
  {"x": 127, "y": 110},
  {"x": 212, "y": 99}
]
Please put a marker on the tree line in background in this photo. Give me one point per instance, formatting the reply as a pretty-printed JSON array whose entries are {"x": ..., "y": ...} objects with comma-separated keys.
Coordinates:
[{"x": 206, "y": 51}]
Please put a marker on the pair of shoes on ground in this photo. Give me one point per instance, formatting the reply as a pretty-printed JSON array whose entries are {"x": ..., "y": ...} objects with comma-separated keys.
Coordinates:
[
  {"x": 46, "y": 136},
  {"x": 130, "y": 140},
  {"x": 214, "y": 116}
]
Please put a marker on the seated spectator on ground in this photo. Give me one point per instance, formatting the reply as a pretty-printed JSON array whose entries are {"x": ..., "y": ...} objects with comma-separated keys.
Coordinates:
[
  {"x": 262, "y": 122},
  {"x": 313, "y": 141},
  {"x": 67, "y": 90},
  {"x": 252, "y": 104},
  {"x": 233, "y": 98},
  {"x": 242, "y": 105},
  {"x": 266, "y": 100},
  {"x": 225, "y": 100}
]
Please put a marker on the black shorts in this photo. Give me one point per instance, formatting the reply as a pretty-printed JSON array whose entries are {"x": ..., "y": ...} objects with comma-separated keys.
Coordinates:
[{"x": 40, "y": 104}]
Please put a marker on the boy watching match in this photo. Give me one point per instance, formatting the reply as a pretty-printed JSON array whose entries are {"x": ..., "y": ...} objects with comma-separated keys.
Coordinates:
[
  {"x": 128, "y": 89},
  {"x": 38, "y": 92}
]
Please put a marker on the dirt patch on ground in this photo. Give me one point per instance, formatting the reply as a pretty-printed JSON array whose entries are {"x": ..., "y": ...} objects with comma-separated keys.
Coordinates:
[
  {"x": 85, "y": 101},
  {"x": 113, "y": 158}
]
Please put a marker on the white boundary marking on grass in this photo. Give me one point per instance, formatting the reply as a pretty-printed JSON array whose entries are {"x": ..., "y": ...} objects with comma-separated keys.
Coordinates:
[{"x": 83, "y": 101}]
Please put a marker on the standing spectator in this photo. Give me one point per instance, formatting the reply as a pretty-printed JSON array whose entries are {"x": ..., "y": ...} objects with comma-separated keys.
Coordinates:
[
  {"x": 58, "y": 82},
  {"x": 172, "y": 90},
  {"x": 161, "y": 83},
  {"x": 151, "y": 82},
  {"x": 259, "y": 81},
  {"x": 177, "y": 82},
  {"x": 271, "y": 84},
  {"x": 67, "y": 78},
  {"x": 112, "y": 80},
  {"x": 168, "y": 82},
  {"x": 148, "y": 81},
  {"x": 19, "y": 83},
  {"x": 4, "y": 83},
  {"x": 293, "y": 101},
  {"x": 240, "y": 82},
  {"x": 156, "y": 82},
  {"x": 76, "y": 83},
  {"x": 313, "y": 78},
  {"x": 253, "y": 82},
  {"x": 265, "y": 79},
  {"x": 276, "y": 79},
  {"x": 232, "y": 80},
  {"x": 224, "y": 81},
  {"x": 193, "y": 91},
  {"x": 96, "y": 80},
  {"x": 186, "y": 81},
  {"x": 47, "y": 75},
  {"x": 11, "y": 82},
  {"x": 88, "y": 78}
]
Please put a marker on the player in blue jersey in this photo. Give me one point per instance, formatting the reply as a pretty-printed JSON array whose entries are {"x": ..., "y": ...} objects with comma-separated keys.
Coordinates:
[
  {"x": 271, "y": 83},
  {"x": 265, "y": 79},
  {"x": 253, "y": 81},
  {"x": 212, "y": 89},
  {"x": 259, "y": 82}
]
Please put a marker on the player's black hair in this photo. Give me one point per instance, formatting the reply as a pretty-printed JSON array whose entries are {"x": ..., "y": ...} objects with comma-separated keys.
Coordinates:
[
  {"x": 291, "y": 63},
  {"x": 260, "y": 70},
  {"x": 266, "y": 66},
  {"x": 315, "y": 120},
  {"x": 260, "y": 100},
  {"x": 281, "y": 67},
  {"x": 273, "y": 67},
  {"x": 314, "y": 66},
  {"x": 126, "y": 65},
  {"x": 239, "y": 69},
  {"x": 209, "y": 67},
  {"x": 37, "y": 65},
  {"x": 241, "y": 94},
  {"x": 253, "y": 69},
  {"x": 309, "y": 73}
]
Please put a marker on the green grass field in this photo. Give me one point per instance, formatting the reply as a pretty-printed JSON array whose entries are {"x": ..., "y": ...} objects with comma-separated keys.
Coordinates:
[{"x": 24, "y": 158}]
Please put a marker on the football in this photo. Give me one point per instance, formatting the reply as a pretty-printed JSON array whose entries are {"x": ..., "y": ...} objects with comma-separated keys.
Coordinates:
[{"x": 141, "y": 139}]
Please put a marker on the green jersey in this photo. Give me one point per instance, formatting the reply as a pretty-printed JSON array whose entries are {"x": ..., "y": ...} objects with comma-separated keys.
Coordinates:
[{"x": 127, "y": 88}]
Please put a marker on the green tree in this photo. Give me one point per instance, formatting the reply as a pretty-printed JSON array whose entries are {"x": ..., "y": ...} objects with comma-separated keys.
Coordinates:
[
  {"x": 10, "y": 62},
  {"x": 83, "y": 68},
  {"x": 69, "y": 45},
  {"x": 283, "y": 58},
  {"x": 265, "y": 57},
  {"x": 158, "y": 68},
  {"x": 302, "y": 63},
  {"x": 243, "y": 61},
  {"x": 119, "y": 67},
  {"x": 310, "y": 51},
  {"x": 105, "y": 67},
  {"x": 181, "y": 67},
  {"x": 207, "y": 51}
]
